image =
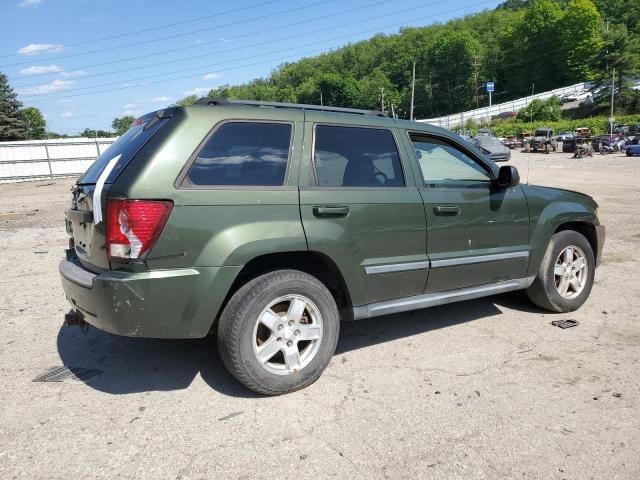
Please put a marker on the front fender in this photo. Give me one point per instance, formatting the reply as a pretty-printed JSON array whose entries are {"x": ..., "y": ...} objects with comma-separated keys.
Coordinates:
[{"x": 551, "y": 208}]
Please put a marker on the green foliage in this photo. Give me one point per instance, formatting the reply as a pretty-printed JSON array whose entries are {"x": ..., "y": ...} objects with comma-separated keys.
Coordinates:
[
  {"x": 12, "y": 123},
  {"x": 597, "y": 125},
  {"x": 582, "y": 37},
  {"x": 90, "y": 133},
  {"x": 122, "y": 124},
  {"x": 190, "y": 100},
  {"x": 35, "y": 123},
  {"x": 546, "y": 43},
  {"x": 547, "y": 110}
]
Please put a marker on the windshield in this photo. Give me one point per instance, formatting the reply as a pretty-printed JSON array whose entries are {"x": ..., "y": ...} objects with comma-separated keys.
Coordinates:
[{"x": 541, "y": 133}]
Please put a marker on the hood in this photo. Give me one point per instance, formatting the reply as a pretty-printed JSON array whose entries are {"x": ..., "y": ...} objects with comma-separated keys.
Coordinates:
[{"x": 560, "y": 194}]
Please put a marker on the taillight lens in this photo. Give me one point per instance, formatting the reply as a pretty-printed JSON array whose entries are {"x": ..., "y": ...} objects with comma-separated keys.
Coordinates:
[{"x": 133, "y": 226}]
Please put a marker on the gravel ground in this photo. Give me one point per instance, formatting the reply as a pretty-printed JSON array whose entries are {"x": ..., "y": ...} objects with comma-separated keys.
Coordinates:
[{"x": 480, "y": 389}]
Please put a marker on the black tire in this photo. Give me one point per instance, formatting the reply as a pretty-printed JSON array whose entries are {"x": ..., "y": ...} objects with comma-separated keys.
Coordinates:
[
  {"x": 543, "y": 291},
  {"x": 237, "y": 322}
]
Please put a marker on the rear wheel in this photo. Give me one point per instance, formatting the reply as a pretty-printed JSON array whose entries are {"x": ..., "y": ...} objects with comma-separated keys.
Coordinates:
[
  {"x": 565, "y": 276},
  {"x": 278, "y": 332}
]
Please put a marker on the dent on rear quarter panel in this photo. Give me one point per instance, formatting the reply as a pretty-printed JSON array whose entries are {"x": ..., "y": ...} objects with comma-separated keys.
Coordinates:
[{"x": 549, "y": 208}]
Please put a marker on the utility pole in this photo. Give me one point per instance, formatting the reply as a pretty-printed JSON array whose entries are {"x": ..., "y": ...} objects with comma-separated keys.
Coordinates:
[
  {"x": 533, "y": 87},
  {"x": 475, "y": 66},
  {"x": 613, "y": 84},
  {"x": 413, "y": 90},
  {"x": 382, "y": 97},
  {"x": 321, "y": 104}
]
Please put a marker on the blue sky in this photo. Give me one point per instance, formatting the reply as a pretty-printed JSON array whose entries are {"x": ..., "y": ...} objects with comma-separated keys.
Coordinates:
[{"x": 84, "y": 62}]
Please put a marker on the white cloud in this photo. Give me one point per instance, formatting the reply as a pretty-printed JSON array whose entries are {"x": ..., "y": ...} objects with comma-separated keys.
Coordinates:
[
  {"x": 34, "y": 48},
  {"x": 129, "y": 106},
  {"x": 30, "y": 3},
  {"x": 41, "y": 70},
  {"x": 132, "y": 113},
  {"x": 197, "y": 91},
  {"x": 73, "y": 73},
  {"x": 67, "y": 114},
  {"x": 213, "y": 76},
  {"x": 162, "y": 100},
  {"x": 45, "y": 88}
]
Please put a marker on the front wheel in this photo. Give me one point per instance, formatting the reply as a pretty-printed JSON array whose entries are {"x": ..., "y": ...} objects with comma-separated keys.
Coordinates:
[
  {"x": 278, "y": 332},
  {"x": 565, "y": 276}
]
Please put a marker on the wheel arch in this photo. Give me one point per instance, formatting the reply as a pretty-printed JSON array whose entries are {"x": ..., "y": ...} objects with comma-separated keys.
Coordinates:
[{"x": 311, "y": 262}]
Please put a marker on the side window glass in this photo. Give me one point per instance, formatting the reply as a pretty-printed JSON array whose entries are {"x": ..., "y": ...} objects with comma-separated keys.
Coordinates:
[
  {"x": 442, "y": 163},
  {"x": 244, "y": 154},
  {"x": 356, "y": 157}
]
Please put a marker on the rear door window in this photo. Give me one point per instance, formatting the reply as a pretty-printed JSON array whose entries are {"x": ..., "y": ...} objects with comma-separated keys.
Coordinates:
[
  {"x": 356, "y": 157},
  {"x": 243, "y": 154}
]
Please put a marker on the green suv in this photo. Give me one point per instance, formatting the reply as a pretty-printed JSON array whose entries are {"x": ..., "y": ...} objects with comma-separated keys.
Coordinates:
[{"x": 269, "y": 223}]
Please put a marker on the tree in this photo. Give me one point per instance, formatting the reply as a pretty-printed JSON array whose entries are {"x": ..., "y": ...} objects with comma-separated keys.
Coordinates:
[
  {"x": 35, "y": 123},
  {"x": 122, "y": 124},
  {"x": 90, "y": 133},
  {"x": 190, "y": 100},
  {"x": 581, "y": 37},
  {"x": 12, "y": 124},
  {"x": 452, "y": 54}
]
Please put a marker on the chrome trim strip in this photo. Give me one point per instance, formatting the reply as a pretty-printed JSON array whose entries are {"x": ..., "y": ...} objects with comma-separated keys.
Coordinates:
[
  {"x": 76, "y": 274},
  {"x": 396, "y": 267},
  {"x": 439, "y": 298},
  {"x": 450, "y": 262}
]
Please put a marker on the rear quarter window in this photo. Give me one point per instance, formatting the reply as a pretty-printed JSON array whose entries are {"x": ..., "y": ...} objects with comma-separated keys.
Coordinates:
[{"x": 243, "y": 154}]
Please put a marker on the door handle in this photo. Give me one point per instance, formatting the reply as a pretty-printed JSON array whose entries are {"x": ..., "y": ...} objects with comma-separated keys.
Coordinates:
[
  {"x": 329, "y": 212},
  {"x": 447, "y": 210}
]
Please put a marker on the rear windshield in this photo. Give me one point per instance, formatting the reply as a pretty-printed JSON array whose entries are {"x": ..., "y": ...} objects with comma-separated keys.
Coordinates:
[{"x": 127, "y": 146}]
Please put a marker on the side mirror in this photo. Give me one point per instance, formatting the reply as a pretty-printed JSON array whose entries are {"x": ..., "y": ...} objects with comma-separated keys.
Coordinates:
[{"x": 508, "y": 176}]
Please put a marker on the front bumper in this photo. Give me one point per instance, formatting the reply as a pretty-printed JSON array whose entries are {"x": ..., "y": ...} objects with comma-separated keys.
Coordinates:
[
  {"x": 178, "y": 303},
  {"x": 600, "y": 238}
]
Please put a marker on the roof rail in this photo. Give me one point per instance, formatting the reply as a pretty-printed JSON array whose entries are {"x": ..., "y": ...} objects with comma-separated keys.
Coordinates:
[{"x": 298, "y": 106}]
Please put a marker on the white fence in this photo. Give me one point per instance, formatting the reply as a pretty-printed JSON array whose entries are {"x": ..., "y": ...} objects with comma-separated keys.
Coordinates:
[
  {"x": 36, "y": 159},
  {"x": 485, "y": 113}
]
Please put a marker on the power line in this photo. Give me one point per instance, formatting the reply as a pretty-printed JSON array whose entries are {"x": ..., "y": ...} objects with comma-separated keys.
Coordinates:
[
  {"x": 159, "y": 27},
  {"x": 169, "y": 37},
  {"x": 258, "y": 32},
  {"x": 209, "y": 67}
]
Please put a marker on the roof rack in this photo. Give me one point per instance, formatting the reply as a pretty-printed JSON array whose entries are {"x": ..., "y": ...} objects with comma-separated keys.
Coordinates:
[{"x": 297, "y": 106}]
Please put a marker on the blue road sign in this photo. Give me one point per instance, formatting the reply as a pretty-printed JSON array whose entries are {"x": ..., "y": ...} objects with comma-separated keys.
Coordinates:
[{"x": 491, "y": 87}]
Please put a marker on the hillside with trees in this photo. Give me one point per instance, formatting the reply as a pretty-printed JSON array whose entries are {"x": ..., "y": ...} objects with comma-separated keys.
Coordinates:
[{"x": 521, "y": 45}]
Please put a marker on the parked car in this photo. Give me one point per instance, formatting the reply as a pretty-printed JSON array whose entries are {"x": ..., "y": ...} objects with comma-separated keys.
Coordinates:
[
  {"x": 633, "y": 148},
  {"x": 492, "y": 147},
  {"x": 269, "y": 223},
  {"x": 582, "y": 132},
  {"x": 505, "y": 116},
  {"x": 542, "y": 140},
  {"x": 577, "y": 96},
  {"x": 564, "y": 136}
]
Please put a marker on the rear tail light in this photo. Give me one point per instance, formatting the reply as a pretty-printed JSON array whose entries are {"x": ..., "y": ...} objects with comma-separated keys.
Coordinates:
[{"x": 133, "y": 226}]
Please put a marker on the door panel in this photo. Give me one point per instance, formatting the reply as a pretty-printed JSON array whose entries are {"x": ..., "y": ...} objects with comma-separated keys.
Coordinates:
[
  {"x": 476, "y": 233},
  {"x": 376, "y": 235},
  {"x": 487, "y": 241}
]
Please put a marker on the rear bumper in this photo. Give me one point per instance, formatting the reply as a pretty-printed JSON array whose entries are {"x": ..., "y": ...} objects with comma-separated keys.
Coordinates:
[
  {"x": 178, "y": 303},
  {"x": 600, "y": 236}
]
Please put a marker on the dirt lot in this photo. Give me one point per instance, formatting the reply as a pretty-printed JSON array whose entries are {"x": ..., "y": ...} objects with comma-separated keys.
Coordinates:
[{"x": 481, "y": 389}]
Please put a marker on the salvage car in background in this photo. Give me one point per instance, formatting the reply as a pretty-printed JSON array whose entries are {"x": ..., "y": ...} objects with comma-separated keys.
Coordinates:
[
  {"x": 542, "y": 140},
  {"x": 633, "y": 148},
  {"x": 492, "y": 147}
]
